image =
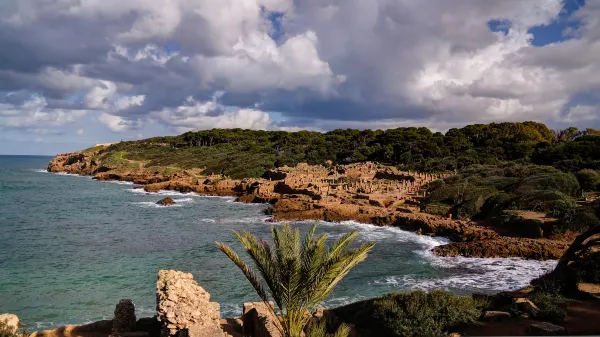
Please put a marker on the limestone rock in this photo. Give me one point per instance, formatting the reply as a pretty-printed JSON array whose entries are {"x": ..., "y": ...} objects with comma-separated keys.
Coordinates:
[
  {"x": 11, "y": 320},
  {"x": 184, "y": 308},
  {"x": 168, "y": 201},
  {"x": 259, "y": 321},
  {"x": 527, "y": 306},
  {"x": 546, "y": 329},
  {"x": 494, "y": 316}
]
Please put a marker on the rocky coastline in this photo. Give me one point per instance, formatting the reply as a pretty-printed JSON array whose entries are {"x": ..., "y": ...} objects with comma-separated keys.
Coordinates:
[{"x": 365, "y": 192}]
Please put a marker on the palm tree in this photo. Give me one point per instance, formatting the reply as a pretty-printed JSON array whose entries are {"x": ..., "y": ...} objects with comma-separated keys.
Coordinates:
[{"x": 299, "y": 275}]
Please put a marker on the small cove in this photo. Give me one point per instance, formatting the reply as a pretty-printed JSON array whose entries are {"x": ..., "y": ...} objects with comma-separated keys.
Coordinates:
[{"x": 72, "y": 247}]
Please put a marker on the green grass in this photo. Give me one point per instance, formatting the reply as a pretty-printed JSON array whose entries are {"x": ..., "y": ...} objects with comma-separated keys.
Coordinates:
[{"x": 93, "y": 149}]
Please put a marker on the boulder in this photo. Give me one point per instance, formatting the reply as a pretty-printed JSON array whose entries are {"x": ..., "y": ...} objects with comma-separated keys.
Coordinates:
[
  {"x": 168, "y": 201},
  {"x": 546, "y": 329},
  {"x": 124, "y": 319},
  {"x": 526, "y": 305},
  {"x": 184, "y": 308},
  {"x": 11, "y": 321},
  {"x": 495, "y": 316},
  {"x": 259, "y": 321}
]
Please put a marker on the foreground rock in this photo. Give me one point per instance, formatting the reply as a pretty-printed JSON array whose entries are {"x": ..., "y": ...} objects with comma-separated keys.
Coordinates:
[
  {"x": 505, "y": 247},
  {"x": 11, "y": 321},
  {"x": 168, "y": 201},
  {"x": 184, "y": 308},
  {"x": 259, "y": 320},
  {"x": 124, "y": 319}
]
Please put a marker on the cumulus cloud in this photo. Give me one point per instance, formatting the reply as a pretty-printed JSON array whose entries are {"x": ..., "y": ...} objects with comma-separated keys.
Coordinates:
[
  {"x": 34, "y": 114},
  {"x": 154, "y": 67},
  {"x": 194, "y": 115}
]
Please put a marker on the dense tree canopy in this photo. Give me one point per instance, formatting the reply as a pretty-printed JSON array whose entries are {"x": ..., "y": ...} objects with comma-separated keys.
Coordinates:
[{"x": 248, "y": 152}]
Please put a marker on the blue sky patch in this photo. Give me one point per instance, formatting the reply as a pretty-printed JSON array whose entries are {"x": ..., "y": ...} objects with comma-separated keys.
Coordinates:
[
  {"x": 499, "y": 26},
  {"x": 555, "y": 31}
]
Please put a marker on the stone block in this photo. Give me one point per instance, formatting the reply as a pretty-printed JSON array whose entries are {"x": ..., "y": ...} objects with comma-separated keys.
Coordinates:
[{"x": 495, "y": 316}]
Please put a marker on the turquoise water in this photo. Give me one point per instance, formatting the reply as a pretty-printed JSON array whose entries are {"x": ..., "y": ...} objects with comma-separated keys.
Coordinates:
[{"x": 71, "y": 247}]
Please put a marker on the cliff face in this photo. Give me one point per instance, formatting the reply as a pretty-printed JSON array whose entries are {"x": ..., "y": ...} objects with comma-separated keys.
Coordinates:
[{"x": 364, "y": 192}]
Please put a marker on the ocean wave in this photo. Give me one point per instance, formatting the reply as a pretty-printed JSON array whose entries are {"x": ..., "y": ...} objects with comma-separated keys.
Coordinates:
[
  {"x": 71, "y": 175},
  {"x": 171, "y": 193},
  {"x": 462, "y": 273},
  {"x": 151, "y": 204},
  {"x": 474, "y": 275},
  {"x": 369, "y": 232},
  {"x": 40, "y": 170},
  {"x": 246, "y": 220},
  {"x": 119, "y": 182}
]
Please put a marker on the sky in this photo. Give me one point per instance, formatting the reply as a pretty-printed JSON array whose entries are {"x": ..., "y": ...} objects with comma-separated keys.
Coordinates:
[{"x": 78, "y": 72}]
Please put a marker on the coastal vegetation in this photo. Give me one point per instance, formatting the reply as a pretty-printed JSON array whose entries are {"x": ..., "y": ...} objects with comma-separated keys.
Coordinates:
[
  {"x": 497, "y": 190},
  {"x": 416, "y": 313},
  {"x": 248, "y": 153},
  {"x": 298, "y": 274}
]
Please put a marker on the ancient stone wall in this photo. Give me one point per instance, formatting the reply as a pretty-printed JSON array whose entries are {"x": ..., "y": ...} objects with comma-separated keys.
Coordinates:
[{"x": 184, "y": 308}]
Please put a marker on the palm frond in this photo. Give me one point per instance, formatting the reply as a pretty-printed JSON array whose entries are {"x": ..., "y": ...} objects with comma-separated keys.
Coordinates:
[{"x": 298, "y": 273}]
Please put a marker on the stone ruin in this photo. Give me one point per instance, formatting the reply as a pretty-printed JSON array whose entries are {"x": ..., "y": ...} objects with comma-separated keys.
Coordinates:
[
  {"x": 184, "y": 308},
  {"x": 124, "y": 319}
]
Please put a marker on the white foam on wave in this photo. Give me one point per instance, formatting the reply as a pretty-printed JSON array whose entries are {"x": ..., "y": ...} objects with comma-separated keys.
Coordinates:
[
  {"x": 468, "y": 274},
  {"x": 171, "y": 193},
  {"x": 41, "y": 171},
  {"x": 119, "y": 182},
  {"x": 71, "y": 175},
  {"x": 246, "y": 220},
  {"x": 150, "y": 204},
  {"x": 475, "y": 275},
  {"x": 378, "y": 233}
]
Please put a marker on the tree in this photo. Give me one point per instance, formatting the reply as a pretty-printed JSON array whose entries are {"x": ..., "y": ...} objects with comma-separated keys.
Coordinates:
[{"x": 298, "y": 275}]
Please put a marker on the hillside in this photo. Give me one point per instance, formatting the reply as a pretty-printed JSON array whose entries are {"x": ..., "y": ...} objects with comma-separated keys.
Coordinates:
[
  {"x": 246, "y": 153},
  {"x": 480, "y": 185}
]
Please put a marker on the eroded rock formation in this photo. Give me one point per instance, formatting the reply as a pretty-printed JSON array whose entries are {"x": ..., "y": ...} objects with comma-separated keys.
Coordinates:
[
  {"x": 363, "y": 192},
  {"x": 184, "y": 308}
]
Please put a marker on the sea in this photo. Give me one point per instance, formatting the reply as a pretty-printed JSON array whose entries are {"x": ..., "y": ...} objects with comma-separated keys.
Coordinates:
[{"x": 72, "y": 247}]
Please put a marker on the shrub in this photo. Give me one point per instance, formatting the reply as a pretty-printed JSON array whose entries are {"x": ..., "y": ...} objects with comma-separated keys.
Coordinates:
[
  {"x": 587, "y": 269},
  {"x": 557, "y": 181},
  {"x": 410, "y": 314},
  {"x": 588, "y": 179},
  {"x": 577, "y": 221},
  {"x": 529, "y": 228},
  {"x": 549, "y": 311}
]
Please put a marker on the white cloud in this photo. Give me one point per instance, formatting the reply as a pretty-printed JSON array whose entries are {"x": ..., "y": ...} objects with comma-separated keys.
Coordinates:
[
  {"x": 117, "y": 123},
  {"x": 352, "y": 63},
  {"x": 195, "y": 115},
  {"x": 34, "y": 113},
  {"x": 583, "y": 113}
]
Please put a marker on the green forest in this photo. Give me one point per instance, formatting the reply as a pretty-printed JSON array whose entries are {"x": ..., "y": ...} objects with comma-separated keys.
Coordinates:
[{"x": 247, "y": 153}]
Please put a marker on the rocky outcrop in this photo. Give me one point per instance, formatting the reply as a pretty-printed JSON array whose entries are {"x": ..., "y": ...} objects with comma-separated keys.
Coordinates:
[
  {"x": 363, "y": 192},
  {"x": 505, "y": 247},
  {"x": 11, "y": 321},
  {"x": 124, "y": 319},
  {"x": 274, "y": 175},
  {"x": 184, "y": 308},
  {"x": 168, "y": 201},
  {"x": 259, "y": 320}
]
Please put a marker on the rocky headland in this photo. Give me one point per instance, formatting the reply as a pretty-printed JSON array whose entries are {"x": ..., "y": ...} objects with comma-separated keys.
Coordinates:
[{"x": 363, "y": 192}]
